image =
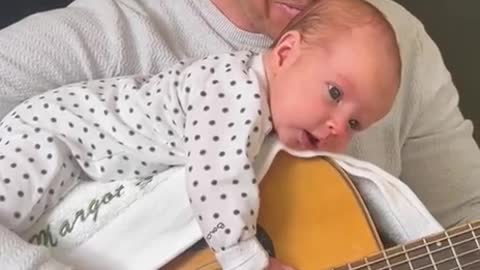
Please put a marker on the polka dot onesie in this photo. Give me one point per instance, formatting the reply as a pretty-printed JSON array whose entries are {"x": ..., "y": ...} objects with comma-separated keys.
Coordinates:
[{"x": 209, "y": 115}]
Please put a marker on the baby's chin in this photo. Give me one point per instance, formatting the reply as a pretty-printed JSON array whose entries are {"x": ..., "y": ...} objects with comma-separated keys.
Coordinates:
[
  {"x": 285, "y": 140},
  {"x": 290, "y": 142},
  {"x": 294, "y": 144}
]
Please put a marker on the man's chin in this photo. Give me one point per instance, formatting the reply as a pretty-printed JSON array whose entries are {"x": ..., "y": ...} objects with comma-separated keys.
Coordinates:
[
  {"x": 278, "y": 20},
  {"x": 282, "y": 10}
]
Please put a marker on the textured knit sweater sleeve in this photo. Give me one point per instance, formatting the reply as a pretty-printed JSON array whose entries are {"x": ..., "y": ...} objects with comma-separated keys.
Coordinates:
[
  {"x": 54, "y": 48},
  {"x": 226, "y": 123},
  {"x": 440, "y": 159},
  {"x": 425, "y": 140}
]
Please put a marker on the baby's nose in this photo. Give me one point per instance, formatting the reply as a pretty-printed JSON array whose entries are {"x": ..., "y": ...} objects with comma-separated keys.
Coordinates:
[{"x": 337, "y": 128}]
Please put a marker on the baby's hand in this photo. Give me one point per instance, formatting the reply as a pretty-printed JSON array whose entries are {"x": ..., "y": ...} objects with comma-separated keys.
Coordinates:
[{"x": 275, "y": 264}]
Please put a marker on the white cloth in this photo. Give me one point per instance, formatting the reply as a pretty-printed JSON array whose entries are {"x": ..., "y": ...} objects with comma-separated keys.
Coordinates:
[
  {"x": 17, "y": 254},
  {"x": 128, "y": 234}
]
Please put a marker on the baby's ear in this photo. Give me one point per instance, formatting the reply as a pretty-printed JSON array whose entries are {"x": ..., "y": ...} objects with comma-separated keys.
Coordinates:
[{"x": 287, "y": 48}]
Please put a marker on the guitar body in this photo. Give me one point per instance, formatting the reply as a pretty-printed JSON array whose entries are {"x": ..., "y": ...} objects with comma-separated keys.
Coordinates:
[
  {"x": 314, "y": 215},
  {"x": 311, "y": 217}
]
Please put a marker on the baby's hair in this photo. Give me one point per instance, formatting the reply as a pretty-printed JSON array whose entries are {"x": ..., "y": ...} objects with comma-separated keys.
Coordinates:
[{"x": 323, "y": 18}]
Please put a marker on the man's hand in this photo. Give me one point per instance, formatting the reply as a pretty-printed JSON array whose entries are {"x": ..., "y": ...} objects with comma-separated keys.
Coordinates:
[{"x": 275, "y": 264}]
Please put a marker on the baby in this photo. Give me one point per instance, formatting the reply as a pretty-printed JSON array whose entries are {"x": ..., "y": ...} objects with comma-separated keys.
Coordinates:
[{"x": 333, "y": 72}]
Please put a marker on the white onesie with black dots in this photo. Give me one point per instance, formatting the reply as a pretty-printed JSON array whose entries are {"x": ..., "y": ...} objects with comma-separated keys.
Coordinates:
[{"x": 209, "y": 115}]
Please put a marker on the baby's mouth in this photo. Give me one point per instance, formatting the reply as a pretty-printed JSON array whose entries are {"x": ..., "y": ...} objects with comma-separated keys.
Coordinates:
[
  {"x": 308, "y": 140},
  {"x": 313, "y": 139}
]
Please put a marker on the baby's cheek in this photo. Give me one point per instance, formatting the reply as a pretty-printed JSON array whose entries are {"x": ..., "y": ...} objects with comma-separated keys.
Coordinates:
[
  {"x": 341, "y": 143},
  {"x": 283, "y": 137},
  {"x": 286, "y": 137}
]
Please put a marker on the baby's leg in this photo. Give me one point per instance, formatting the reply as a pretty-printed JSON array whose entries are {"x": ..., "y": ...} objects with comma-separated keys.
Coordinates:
[{"x": 36, "y": 171}]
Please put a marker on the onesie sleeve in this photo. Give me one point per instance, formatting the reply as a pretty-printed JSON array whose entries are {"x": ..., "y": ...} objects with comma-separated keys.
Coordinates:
[{"x": 226, "y": 123}]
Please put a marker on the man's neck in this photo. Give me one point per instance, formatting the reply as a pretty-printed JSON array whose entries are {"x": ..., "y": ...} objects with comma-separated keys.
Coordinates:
[{"x": 233, "y": 11}]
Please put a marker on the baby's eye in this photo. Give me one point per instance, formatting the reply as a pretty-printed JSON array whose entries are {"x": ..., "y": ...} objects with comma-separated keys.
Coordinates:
[
  {"x": 335, "y": 93},
  {"x": 354, "y": 124}
]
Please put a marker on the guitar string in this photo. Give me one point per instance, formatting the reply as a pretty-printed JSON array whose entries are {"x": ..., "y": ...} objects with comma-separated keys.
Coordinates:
[
  {"x": 424, "y": 246},
  {"x": 444, "y": 261},
  {"x": 405, "y": 251},
  {"x": 368, "y": 265},
  {"x": 466, "y": 265},
  {"x": 391, "y": 265},
  {"x": 420, "y": 256}
]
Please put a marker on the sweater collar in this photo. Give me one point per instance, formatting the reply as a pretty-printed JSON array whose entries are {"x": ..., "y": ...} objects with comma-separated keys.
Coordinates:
[{"x": 238, "y": 38}]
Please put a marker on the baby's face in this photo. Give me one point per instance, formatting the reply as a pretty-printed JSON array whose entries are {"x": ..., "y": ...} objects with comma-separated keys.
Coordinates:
[{"x": 321, "y": 97}]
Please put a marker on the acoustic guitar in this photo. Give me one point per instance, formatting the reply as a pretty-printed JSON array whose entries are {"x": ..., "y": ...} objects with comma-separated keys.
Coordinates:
[{"x": 312, "y": 218}]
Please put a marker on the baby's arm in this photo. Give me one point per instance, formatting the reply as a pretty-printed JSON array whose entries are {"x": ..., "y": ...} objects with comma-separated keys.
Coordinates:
[{"x": 226, "y": 123}]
